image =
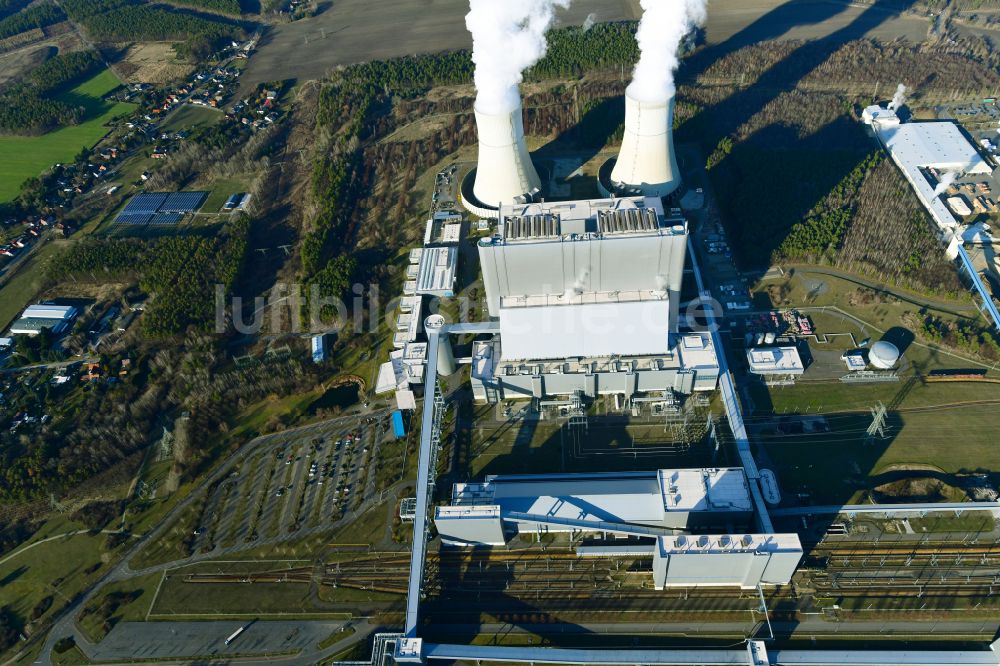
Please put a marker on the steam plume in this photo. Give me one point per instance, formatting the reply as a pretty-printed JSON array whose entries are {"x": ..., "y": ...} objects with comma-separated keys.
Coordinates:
[
  {"x": 664, "y": 24},
  {"x": 947, "y": 178},
  {"x": 589, "y": 22},
  {"x": 899, "y": 98},
  {"x": 508, "y": 36}
]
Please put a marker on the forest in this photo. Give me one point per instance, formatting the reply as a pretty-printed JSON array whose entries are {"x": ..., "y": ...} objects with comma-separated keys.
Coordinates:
[
  {"x": 129, "y": 20},
  {"x": 36, "y": 16},
  {"x": 230, "y": 7},
  {"x": 24, "y": 110},
  {"x": 8, "y": 7},
  {"x": 810, "y": 189},
  {"x": 66, "y": 69},
  {"x": 180, "y": 271},
  {"x": 32, "y": 107}
]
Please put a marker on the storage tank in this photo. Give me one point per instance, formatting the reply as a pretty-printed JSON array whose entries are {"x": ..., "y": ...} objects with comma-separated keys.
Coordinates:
[
  {"x": 646, "y": 161},
  {"x": 445, "y": 358},
  {"x": 504, "y": 172},
  {"x": 883, "y": 355}
]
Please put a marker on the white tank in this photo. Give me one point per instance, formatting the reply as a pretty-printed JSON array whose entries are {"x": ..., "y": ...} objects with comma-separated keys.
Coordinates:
[
  {"x": 646, "y": 160},
  {"x": 883, "y": 355},
  {"x": 504, "y": 171}
]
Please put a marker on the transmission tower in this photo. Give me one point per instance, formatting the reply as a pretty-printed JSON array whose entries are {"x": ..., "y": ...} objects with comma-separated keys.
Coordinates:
[{"x": 878, "y": 427}]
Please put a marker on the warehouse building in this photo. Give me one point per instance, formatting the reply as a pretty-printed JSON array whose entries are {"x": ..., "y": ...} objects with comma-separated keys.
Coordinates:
[{"x": 56, "y": 318}]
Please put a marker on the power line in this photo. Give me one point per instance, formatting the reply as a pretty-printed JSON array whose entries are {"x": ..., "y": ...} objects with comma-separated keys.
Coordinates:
[{"x": 877, "y": 429}]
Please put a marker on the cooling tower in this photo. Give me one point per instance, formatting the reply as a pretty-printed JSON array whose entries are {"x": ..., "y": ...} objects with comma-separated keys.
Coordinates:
[
  {"x": 504, "y": 171},
  {"x": 646, "y": 161}
]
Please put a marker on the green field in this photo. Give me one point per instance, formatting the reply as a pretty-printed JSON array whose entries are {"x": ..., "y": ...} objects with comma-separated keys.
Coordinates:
[
  {"x": 56, "y": 570},
  {"x": 944, "y": 427},
  {"x": 22, "y": 157},
  {"x": 189, "y": 116}
]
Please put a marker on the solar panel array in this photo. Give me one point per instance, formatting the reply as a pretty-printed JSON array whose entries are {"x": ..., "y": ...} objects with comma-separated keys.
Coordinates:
[
  {"x": 183, "y": 202},
  {"x": 145, "y": 202},
  {"x": 166, "y": 218},
  {"x": 140, "y": 219},
  {"x": 160, "y": 208}
]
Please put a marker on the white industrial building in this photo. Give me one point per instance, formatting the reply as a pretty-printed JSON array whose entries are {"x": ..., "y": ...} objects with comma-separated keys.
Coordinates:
[
  {"x": 646, "y": 503},
  {"x": 36, "y": 317},
  {"x": 587, "y": 294},
  {"x": 436, "y": 274},
  {"x": 770, "y": 361},
  {"x": 925, "y": 152},
  {"x": 727, "y": 560},
  {"x": 655, "y": 506}
]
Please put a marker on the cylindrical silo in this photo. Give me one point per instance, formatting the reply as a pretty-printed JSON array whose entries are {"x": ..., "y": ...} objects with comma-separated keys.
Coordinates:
[
  {"x": 435, "y": 324},
  {"x": 504, "y": 171},
  {"x": 646, "y": 161}
]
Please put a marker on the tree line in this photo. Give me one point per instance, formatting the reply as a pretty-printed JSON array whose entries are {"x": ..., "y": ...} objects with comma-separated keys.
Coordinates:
[
  {"x": 66, "y": 69},
  {"x": 231, "y": 7},
  {"x": 24, "y": 110},
  {"x": 8, "y": 7},
  {"x": 36, "y": 16},
  {"x": 31, "y": 107}
]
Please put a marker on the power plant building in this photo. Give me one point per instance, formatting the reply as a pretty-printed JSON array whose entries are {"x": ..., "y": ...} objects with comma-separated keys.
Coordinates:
[
  {"x": 588, "y": 294},
  {"x": 728, "y": 560},
  {"x": 648, "y": 503}
]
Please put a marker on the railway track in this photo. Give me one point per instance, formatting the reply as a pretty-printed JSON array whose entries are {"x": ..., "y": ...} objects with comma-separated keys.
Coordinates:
[{"x": 897, "y": 570}]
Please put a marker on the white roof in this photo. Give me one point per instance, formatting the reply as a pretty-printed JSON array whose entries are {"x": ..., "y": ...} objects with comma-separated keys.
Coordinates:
[
  {"x": 938, "y": 145},
  {"x": 392, "y": 374},
  {"x": 775, "y": 361},
  {"x": 629, "y": 499},
  {"x": 49, "y": 311},
  {"x": 621, "y": 497},
  {"x": 437, "y": 270},
  {"x": 408, "y": 325},
  {"x": 697, "y": 351},
  {"x": 704, "y": 489},
  {"x": 452, "y": 233},
  {"x": 582, "y": 329},
  {"x": 958, "y": 205},
  {"x": 409, "y": 303}
]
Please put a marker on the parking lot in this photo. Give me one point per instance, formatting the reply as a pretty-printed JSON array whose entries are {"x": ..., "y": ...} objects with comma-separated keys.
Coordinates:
[
  {"x": 302, "y": 483},
  {"x": 163, "y": 640}
]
